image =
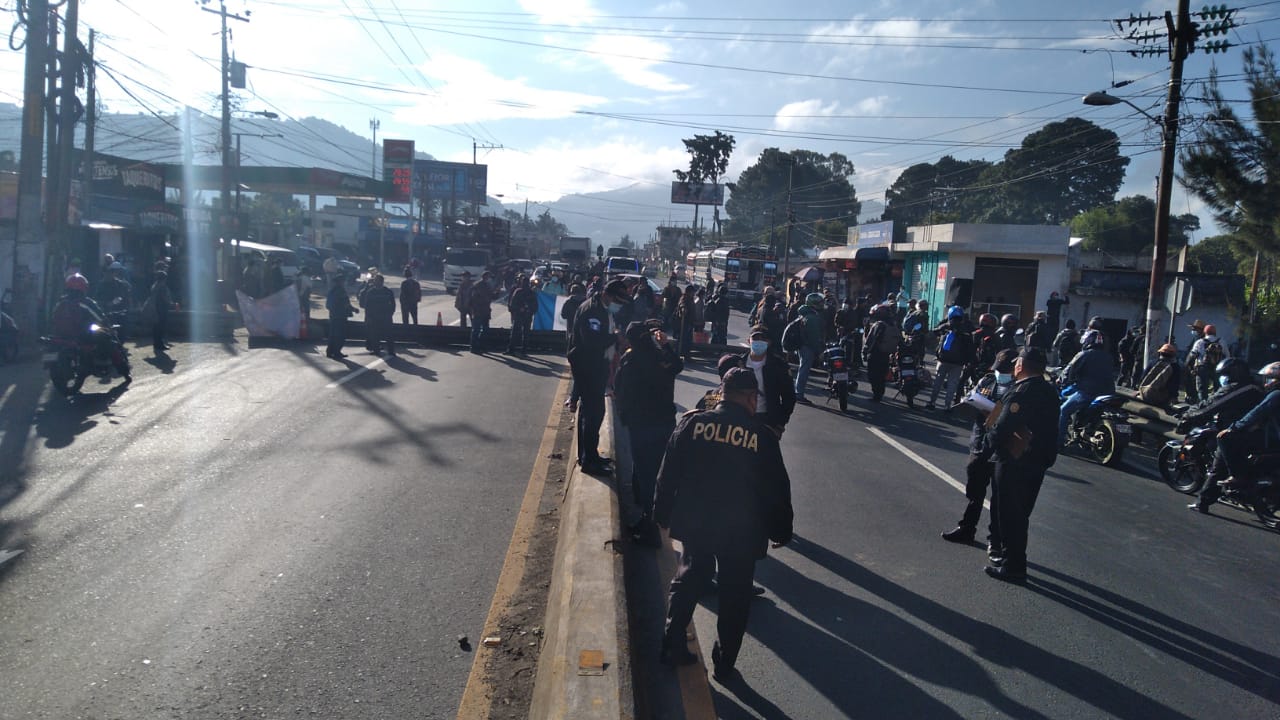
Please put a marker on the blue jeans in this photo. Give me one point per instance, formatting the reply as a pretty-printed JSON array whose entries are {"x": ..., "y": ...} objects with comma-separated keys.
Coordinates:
[
  {"x": 806, "y": 354},
  {"x": 479, "y": 326},
  {"x": 1074, "y": 403}
]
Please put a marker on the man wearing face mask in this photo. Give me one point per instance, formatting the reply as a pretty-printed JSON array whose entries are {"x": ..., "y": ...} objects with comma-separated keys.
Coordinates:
[
  {"x": 592, "y": 350},
  {"x": 992, "y": 386},
  {"x": 777, "y": 398}
]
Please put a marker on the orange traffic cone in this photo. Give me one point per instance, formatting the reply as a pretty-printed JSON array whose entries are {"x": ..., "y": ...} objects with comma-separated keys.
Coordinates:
[{"x": 439, "y": 319}]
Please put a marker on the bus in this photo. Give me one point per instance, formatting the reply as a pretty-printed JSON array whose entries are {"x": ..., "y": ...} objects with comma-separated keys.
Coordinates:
[
  {"x": 701, "y": 266},
  {"x": 745, "y": 271}
]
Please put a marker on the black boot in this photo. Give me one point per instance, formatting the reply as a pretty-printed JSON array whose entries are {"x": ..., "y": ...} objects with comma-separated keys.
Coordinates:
[
  {"x": 959, "y": 534},
  {"x": 676, "y": 652}
]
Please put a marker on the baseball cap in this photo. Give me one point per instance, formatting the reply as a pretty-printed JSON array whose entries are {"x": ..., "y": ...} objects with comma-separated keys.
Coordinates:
[{"x": 739, "y": 378}]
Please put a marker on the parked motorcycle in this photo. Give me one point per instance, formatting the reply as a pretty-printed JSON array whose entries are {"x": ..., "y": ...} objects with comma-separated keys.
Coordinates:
[
  {"x": 907, "y": 374},
  {"x": 840, "y": 382},
  {"x": 71, "y": 361},
  {"x": 1184, "y": 464},
  {"x": 1102, "y": 428}
]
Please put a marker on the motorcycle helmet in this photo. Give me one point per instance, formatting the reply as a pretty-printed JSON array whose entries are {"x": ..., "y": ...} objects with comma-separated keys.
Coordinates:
[
  {"x": 1234, "y": 369},
  {"x": 1008, "y": 321},
  {"x": 116, "y": 266},
  {"x": 1168, "y": 349},
  {"x": 1092, "y": 339},
  {"x": 77, "y": 282},
  {"x": 814, "y": 299},
  {"x": 955, "y": 311},
  {"x": 1210, "y": 330},
  {"x": 987, "y": 320},
  {"x": 1270, "y": 374},
  {"x": 922, "y": 304}
]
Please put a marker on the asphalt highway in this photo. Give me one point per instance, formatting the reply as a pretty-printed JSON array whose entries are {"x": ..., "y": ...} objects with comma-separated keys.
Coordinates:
[
  {"x": 1135, "y": 608},
  {"x": 260, "y": 532}
]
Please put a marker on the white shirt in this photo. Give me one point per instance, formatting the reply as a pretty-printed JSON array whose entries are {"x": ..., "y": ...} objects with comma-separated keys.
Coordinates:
[{"x": 757, "y": 366}]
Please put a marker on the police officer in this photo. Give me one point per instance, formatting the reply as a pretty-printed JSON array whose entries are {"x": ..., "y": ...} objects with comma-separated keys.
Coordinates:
[
  {"x": 1023, "y": 437},
  {"x": 724, "y": 493},
  {"x": 993, "y": 386}
]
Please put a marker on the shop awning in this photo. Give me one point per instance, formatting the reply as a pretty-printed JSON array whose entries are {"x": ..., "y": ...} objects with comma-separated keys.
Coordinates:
[{"x": 845, "y": 252}]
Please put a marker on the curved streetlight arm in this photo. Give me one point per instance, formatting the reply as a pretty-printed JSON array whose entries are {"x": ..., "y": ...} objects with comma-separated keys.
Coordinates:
[{"x": 1102, "y": 99}]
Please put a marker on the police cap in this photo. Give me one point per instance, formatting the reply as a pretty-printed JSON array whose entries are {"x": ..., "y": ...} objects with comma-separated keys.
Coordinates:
[{"x": 739, "y": 379}]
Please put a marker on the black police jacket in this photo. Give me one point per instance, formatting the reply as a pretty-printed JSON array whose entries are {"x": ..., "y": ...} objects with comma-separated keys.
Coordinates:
[
  {"x": 1031, "y": 406},
  {"x": 723, "y": 486},
  {"x": 592, "y": 336}
]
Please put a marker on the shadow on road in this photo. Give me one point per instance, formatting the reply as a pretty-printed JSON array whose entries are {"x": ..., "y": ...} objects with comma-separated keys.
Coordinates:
[
  {"x": 874, "y": 638},
  {"x": 1246, "y": 668}
]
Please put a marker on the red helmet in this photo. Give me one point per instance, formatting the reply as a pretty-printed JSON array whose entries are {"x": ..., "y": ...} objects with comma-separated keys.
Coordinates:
[
  {"x": 77, "y": 282},
  {"x": 987, "y": 320},
  {"x": 1210, "y": 330}
]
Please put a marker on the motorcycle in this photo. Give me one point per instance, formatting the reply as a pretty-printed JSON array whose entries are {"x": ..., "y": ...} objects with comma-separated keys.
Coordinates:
[
  {"x": 1101, "y": 427},
  {"x": 1184, "y": 464},
  {"x": 71, "y": 361},
  {"x": 840, "y": 382},
  {"x": 907, "y": 373}
]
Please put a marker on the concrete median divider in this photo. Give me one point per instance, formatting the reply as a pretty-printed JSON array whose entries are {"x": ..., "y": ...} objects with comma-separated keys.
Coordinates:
[{"x": 584, "y": 670}]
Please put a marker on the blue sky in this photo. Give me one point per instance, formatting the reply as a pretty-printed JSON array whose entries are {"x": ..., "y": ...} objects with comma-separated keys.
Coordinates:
[{"x": 590, "y": 95}]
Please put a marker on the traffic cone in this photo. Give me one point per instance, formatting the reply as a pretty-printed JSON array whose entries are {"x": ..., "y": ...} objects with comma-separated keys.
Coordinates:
[{"x": 439, "y": 319}]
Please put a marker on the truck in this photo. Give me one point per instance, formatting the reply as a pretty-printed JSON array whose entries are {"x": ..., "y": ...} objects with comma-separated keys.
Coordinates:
[
  {"x": 475, "y": 247},
  {"x": 575, "y": 251}
]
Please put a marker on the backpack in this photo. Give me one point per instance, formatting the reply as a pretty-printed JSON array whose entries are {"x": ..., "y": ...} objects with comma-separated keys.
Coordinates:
[
  {"x": 889, "y": 338},
  {"x": 1213, "y": 354},
  {"x": 793, "y": 335},
  {"x": 954, "y": 348},
  {"x": 1154, "y": 388}
]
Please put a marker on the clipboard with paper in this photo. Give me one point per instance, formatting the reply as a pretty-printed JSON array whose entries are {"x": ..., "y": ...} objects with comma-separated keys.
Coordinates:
[{"x": 1018, "y": 442}]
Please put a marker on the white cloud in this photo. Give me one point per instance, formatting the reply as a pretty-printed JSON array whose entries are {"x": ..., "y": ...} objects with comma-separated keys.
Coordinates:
[
  {"x": 561, "y": 12},
  {"x": 874, "y": 105},
  {"x": 563, "y": 167},
  {"x": 635, "y": 69},
  {"x": 467, "y": 91},
  {"x": 801, "y": 115}
]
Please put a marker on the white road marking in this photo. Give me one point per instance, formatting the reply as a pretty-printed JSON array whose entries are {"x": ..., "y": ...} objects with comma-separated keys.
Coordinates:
[
  {"x": 354, "y": 373},
  {"x": 922, "y": 462}
]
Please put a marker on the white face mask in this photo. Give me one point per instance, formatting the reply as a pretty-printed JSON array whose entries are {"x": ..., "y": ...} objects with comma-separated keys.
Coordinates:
[
  {"x": 1004, "y": 378},
  {"x": 1223, "y": 380}
]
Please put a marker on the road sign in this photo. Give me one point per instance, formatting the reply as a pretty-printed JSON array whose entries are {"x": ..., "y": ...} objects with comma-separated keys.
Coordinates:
[{"x": 1179, "y": 296}]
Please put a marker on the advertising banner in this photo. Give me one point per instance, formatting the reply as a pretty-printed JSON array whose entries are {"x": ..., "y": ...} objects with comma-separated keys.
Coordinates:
[
  {"x": 437, "y": 180},
  {"x": 697, "y": 193}
]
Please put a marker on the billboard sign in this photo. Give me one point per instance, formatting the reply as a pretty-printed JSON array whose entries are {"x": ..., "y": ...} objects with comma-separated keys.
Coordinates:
[
  {"x": 697, "y": 193},
  {"x": 437, "y": 180},
  {"x": 871, "y": 235},
  {"x": 397, "y": 168}
]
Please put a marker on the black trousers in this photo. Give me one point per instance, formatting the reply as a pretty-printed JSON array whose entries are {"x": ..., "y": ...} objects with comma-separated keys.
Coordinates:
[
  {"x": 520, "y": 326},
  {"x": 978, "y": 474},
  {"x": 158, "y": 330},
  {"x": 590, "y": 389},
  {"x": 408, "y": 312},
  {"x": 877, "y": 368},
  {"x": 736, "y": 575},
  {"x": 337, "y": 335},
  {"x": 1017, "y": 485}
]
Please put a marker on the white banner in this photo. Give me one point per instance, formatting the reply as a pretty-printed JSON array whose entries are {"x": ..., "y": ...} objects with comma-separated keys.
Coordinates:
[{"x": 276, "y": 315}]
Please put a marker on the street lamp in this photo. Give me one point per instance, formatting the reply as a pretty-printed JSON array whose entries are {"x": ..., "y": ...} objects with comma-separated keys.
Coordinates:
[{"x": 1164, "y": 192}]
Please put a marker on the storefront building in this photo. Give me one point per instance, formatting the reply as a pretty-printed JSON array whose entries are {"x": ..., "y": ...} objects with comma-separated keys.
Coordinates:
[{"x": 864, "y": 266}]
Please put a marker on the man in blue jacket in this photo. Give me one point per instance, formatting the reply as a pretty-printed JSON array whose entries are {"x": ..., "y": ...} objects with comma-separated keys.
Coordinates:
[{"x": 1091, "y": 373}]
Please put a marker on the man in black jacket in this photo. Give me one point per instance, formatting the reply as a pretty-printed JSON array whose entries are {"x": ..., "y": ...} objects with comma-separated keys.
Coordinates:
[
  {"x": 724, "y": 492},
  {"x": 644, "y": 395},
  {"x": 717, "y": 313},
  {"x": 523, "y": 306},
  {"x": 592, "y": 348},
  {"x": 1237, "y": 396},
  {"x": 1023, "y": 437},
  {"x": 379, "y": 304}
]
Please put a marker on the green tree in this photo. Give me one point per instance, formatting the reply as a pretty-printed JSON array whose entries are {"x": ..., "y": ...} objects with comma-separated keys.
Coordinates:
[
  {"x": 625, "y": 243},
  {"x": 1127, "y": 227},
  {"x": 1235, "y": 169},
  {"x": 926, "y": 193},
  {"x": 1220, "y": 254},
  {"x": 822, "y": 192},
  {"x": 708, "y": 160},
  {"x": 1059, "y": 172}
]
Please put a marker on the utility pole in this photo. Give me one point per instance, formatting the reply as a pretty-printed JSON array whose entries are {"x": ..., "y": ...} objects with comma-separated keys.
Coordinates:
[
  {"x": 791, "y": 221},
  {"x": 90, "y": 127},
  {"x": 69, "y": 110},
  {"x": 225, "y": 225},
  {"x": 474, "y": 148},
  {"x": 29, "y": 270},
  {"x": 374, "y": 124},
  {"x": 1181, "y": 36}
]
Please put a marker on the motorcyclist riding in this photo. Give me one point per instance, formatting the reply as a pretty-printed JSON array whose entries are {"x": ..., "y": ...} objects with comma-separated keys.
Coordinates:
[
  {"x": 76, "y": 312},
  {"x": 1258, "y": 429},
  {"x": 1237, "y": 396},
  {"x": 1091, "y": 373}
]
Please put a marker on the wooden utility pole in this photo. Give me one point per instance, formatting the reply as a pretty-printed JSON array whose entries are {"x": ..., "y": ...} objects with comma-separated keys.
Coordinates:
[
  {"x": 225, "y": 225},
  {"x": 60, "y": 169}
]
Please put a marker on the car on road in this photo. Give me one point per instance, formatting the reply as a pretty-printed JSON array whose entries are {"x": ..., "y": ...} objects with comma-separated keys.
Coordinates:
[{"x": 619, "y": 265}]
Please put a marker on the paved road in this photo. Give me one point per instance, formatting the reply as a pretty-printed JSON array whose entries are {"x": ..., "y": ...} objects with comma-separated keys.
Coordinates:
[
  {"x": 260, "y": 533},
  {"x": 1136, "y": 608}
]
